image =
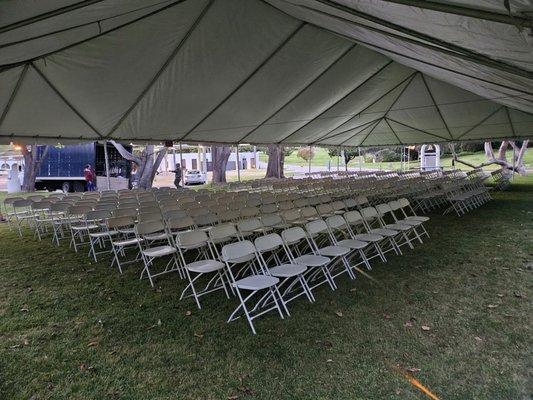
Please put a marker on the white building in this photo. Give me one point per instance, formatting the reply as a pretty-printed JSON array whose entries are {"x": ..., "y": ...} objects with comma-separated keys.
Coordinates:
[{"x": 195, "y": 161}]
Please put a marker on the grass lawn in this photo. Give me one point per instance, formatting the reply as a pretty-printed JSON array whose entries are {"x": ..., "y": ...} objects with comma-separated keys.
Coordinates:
[
  {"x": 72, "y": 329},
  {"x": 322, "y": 158}
]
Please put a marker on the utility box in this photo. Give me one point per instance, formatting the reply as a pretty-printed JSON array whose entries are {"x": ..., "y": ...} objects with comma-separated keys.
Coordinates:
[{"x": 430, "y": 157}]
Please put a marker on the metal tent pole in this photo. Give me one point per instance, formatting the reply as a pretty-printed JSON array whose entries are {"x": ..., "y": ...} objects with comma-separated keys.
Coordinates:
[
  {"x": 238, "y": 162},
  {"x": 338, "y": 159},
  {"x": 174, "y": 155},
  {"x": 106, "y": 157},
  {"x": 514, "y": 161},
  {"x": 181, "y": 167},
  {"x": 310, "y": 150},
  {"x": 360, "y": 164}
]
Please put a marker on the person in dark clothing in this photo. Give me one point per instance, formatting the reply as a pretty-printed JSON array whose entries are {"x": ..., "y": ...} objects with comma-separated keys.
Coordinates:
[
  {"x": 89, "y": 177},
  {"x": 177, "y": 175}
]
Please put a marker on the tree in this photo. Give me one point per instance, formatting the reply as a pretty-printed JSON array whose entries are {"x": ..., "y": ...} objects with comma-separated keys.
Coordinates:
[
  {"x": 276, "y": 160},
  {"x": 307, "y": 153},
  {"x": 146, "y": 163},
  {"x": 220, "y": 156},
  {"x": 32, "y": 163},
  {"x": 516, "y": 165},
  {"x": 349, "y": 155}
]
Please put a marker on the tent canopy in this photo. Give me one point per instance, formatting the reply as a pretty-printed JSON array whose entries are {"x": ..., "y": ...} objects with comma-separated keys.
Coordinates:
[{"x": 295, "y": 72}]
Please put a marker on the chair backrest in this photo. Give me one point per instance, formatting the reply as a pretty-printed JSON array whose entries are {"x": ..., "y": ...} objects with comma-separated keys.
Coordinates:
[
  {"x": 106, "y": 206},
  {"x": 338, "y": 205},
  {"x": 205, "y": 220},
  {"x": 336, "y": 222},
  {"x": 308, "y": 212},
  {"x": 316, "y": 227},
  {"x": 229, "y": 215},
  {"x": 291, "y": 215},
  {"x": 60, "y": 207},
  {"x": 222, "y": 232},
  {"x": 238, "y": 252},
  {"x": 302, "y": 202},
  {"x": 361, "y": 200},
  {"x": 285, "y": 205},
  {"x": 353, "y": 217},
  {"x": 271, "y": 220},
  {"x": 249, "y": 225},
  {"x": 35, "y": 197},
  {"x": 79, "y": 210},
  {"x": 369, "y": 213},
  {"x": 324, "y": 209},
  {"x": 11, "y": 200},
  {"x": 268, "y": 242},
  {"x": 120, "y": 222},
  {"x": 383, "y": 209},
  {"x": 249, "y": 212},
  {"x": 394, "y": 205},
  {"x": 148, "y": 227},
  {"x": 188, "y": 239},
  {"x": 22, "y": 203},
  {"x": 269, "y": 208},
  {"x": 41, "y": 205},
  {"x": 125, "y": 212},
  {"x": 174, "y": 214},
  {"x": 152, "y": 216},
  {"x": 404, "y": 202},
  {"x": 98, "y": 215},
  {"x": 293, "y": 235},
  {"x": 176, "y": 224}
]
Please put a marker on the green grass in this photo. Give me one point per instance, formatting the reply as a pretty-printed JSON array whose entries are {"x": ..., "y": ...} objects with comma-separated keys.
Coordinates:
[
  {"x": 321, "y": 160},
  {"x": 72, "y": 329}
]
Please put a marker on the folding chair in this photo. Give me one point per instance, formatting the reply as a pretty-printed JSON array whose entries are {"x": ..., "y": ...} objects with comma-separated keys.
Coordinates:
[
  {"x": 249, "y": 228},
  {"x": 273, "y": 254},
  {"x": 243, "y": 255},
  {"x": 205, "y": 263},
  {"x": 77, "y": 226},
  {"x": 123, "y": 241},
  {"x": 155, "y": 243},
  {"x": 100, "y": 234},
  {"x": 301, "y": 251}
]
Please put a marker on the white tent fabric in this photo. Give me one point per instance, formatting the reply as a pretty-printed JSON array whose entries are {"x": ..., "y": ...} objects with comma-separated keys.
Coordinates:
[{"x": 296, "y": 72}]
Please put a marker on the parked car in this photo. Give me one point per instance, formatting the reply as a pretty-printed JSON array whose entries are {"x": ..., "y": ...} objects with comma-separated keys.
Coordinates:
[{"x": 195, "y": 177}]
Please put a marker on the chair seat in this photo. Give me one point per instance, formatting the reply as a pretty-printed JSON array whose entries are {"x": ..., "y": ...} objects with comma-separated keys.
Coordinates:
[
  {"x": 384, "y": 232},
  {"x": 84, "y": 227},
  {"x": 311, "y": 260},
  {"x": 410, "y": 222},
  {"x": 368, "y": 237},
  {"x": 256, "y": 282},
  {"x": 287, "y": 270},
  {"x": 159, "y": 251},
  {"x": 204, "y": 266},
  {"x": 418, "y": 218},
  {"x": 127, "y": 231},
  {"x": 127, "y": 242},
  {"x": 398, "y": 227},
  {"x": 333, "y": 251},
  {"x": 352, "y": 244},
  {"x": 157, "y": 236},
  {"x": 103, "y": 234}
]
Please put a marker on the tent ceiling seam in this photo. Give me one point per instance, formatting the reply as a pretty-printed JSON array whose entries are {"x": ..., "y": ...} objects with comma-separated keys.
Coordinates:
[
  {"x": 167, "y": 62},
  {"x": 516, "y": 20},
  {"x": 47, "y": 54},
  {"x": 366, "y": 136},
  {"x": 436, "y": 106},
  {"x": 510, "y": 121},
  {"x": 250, "y": 76},
  {"x": 416, "y": 129},
  {"x": 339, "y": 100},
  {"x": 350, "y": 48},
  {"x": 13, "y": 94},
  {"x": 389, "y": 125},
  {"x": 49, "y": 14},
  {"x": 64, "y": 99},
  {"x": 364, "y": 109},
  {"x": 345, "y": 131},
  {"x": 383, "y": 49},
  {"x": 441, "y": 43},
  {"x": 480, "y": 122}
]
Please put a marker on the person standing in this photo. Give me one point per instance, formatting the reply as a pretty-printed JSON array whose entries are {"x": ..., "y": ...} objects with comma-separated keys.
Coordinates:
[
  {"x": 89, "y": 177},
  {"x": 177, "y": 176}
]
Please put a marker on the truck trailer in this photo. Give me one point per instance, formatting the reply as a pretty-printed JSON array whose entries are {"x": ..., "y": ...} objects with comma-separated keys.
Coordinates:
[{"x": 63, "y": 167}]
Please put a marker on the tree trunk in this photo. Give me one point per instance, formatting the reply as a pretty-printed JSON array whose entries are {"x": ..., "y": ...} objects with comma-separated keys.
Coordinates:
[
  {"x": 146, "y": 166},
  {"x": 220, "y": 156},
  {"x": 32, "y": 163},
  {"x": 276, "y": 160},
  {"x": 501, "y": 158}
]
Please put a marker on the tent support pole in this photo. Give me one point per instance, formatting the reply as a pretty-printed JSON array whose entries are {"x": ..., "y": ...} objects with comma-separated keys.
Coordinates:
[
  {"x": 338, "y": 160},
  {"x": 514, "y": 162},
  {"x": 310, "y": 150},
  {"x": 106, "y": 157},
  {"x": 360, "y": 164},
  {"x": 238, "y": 162},
  {"x": 174, "y": 155},
  {"x": 181, "y": 166}
]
